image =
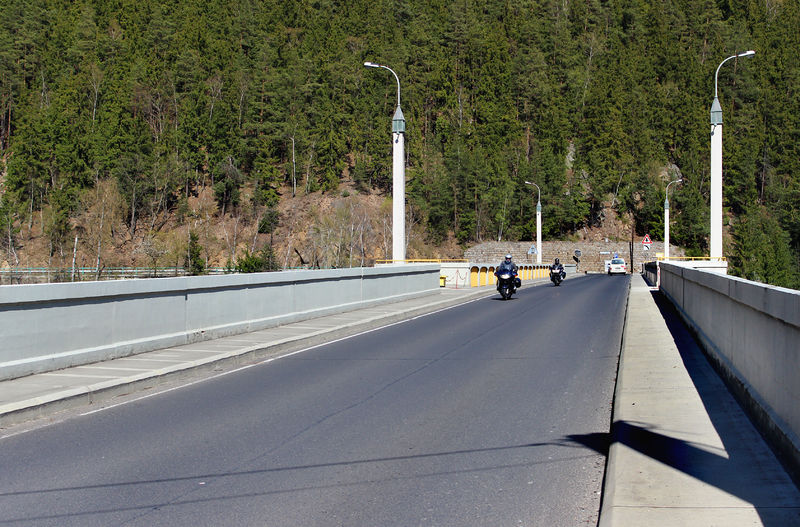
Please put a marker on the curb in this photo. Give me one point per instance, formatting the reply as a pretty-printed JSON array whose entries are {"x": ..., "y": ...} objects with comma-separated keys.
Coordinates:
[{"x": 607, "y": 498}]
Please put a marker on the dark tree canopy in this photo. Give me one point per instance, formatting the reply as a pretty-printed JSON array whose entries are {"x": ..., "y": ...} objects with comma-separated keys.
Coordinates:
[{"x": 600, "y": 103}]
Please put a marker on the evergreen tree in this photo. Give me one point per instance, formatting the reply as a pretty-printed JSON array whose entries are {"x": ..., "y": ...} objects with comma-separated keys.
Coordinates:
[
  {"x": 193, "y": 262},
  {"x": 762, "y": 251},
  {"x": 591, "y": 100}
]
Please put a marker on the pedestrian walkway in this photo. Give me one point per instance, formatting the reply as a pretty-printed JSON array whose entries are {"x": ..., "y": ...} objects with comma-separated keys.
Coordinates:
[{"x": 683, "y": 453}]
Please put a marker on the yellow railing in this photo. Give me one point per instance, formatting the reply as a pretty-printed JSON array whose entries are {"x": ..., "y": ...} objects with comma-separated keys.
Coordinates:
[
  {"x": 423, "y": 260},
  {"x": 693, "y": 258},
  {"x": 479, "y": 274}
]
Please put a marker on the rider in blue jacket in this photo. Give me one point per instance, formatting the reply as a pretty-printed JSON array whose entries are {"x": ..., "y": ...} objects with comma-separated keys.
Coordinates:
[{"x": 507, "y": 264}]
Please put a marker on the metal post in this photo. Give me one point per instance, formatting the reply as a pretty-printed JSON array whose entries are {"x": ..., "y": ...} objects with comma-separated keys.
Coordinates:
[
  {"x": 666, "y": 230},
  {"x": 538, "y": 222},
  {"x": 666, "y": 219},
  {"x": 398, "y": 176},
  {"x": 715, "y": 241}
]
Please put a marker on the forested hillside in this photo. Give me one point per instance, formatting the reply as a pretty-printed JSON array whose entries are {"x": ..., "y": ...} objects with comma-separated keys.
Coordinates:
[{"x": 120, "y": 119}]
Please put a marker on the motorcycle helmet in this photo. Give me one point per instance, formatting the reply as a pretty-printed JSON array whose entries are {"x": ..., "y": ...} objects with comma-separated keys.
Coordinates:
[
  {"x": 508, "y": 258},
  {"x": 557, "y": 262}
]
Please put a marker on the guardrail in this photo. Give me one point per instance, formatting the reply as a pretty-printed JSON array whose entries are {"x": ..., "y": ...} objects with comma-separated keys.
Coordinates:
[
  {"x": 482, "y": 274},
  {"x": 422, "y": 260},
  {"x": 51, "y": 326},
  {"x": 691, "y": 259},
  {"x": 458, "y": 273},
  {"x": 19, "y": 275}
]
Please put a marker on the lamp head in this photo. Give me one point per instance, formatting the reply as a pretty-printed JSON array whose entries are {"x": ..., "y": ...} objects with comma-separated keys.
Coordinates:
[
  {"x": 371, "y": 65},
  {"x": 749, "y": 53}
]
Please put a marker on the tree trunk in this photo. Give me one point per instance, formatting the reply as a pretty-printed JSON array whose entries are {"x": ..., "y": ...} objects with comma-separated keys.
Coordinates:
[
  {"x": 74, "y": 254},
  {"x": 294, "y": 168}
]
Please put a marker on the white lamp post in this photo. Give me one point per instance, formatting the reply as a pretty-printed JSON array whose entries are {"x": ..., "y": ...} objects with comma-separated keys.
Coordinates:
[
  {"x": 398, "y": 176},
  {"x": 715, "y": 243},
  {"x": 666, "y": 220},
  {"x": 538, "y": 222}
]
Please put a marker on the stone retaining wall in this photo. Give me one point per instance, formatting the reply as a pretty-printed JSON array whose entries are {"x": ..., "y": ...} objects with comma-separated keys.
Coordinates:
[{"x": 593, "y": 254}]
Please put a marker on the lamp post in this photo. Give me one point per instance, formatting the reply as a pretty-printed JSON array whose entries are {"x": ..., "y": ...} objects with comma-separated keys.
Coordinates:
[
  {"x": 398, "y": 175},
  {"x": 715, "y": 243},
  {"x": 666, "y": 220},
  {"x": 538, "y": 222}
]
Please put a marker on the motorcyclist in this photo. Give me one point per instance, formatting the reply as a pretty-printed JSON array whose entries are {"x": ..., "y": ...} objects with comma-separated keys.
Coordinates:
[
  {"x": 506, "y": 264},
  {"x": 557, "y": 266}
]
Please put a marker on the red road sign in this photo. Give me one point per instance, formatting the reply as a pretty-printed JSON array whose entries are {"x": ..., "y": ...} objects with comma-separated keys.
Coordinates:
[{"x": 647, "y": 240}]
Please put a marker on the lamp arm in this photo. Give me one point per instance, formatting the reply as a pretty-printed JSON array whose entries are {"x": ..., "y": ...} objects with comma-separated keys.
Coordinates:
[{"x": 398, "y": 82}]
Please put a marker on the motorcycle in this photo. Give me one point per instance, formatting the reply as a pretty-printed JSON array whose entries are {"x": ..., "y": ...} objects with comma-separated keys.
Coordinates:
[
  {"x": 557, "y": 275},
  {"x": 507, "y": 283}
]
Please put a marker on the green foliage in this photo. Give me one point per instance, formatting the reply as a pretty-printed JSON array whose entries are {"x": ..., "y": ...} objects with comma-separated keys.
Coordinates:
[
  {"x": 590, "y": 100},
  {"x": 56, "y": 223},
  {"x": 762, "y": 251},
  {"x": 269, "y": 221},
  {"x": 8, "y": 231},
  {"x": 193, "y": 262},
  {"x": 227, "y": 186},
  {"x": 262, "y": 261}
]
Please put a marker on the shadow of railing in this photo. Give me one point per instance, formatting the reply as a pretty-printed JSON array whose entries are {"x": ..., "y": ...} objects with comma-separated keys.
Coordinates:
[{"x": 744, "y": 467}]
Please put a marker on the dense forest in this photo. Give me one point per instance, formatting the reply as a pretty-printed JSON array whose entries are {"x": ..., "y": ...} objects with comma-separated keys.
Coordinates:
[{"x": 114, "y": 114}]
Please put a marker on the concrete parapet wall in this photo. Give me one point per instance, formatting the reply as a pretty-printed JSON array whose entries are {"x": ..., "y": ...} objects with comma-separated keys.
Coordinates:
[
  {"x": 456, "y": 275},
  {"x": 46, "y": 327},
  {"x": 652, "y": 270},
  {"x": 751, "y": 332}
]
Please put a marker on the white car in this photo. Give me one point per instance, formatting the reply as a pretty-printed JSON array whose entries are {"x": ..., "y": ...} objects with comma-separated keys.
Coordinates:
[{"x": 617, "y": 266}]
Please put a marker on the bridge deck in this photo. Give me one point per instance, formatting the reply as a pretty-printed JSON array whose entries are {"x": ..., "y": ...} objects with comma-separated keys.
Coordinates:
[{"x": 683, "y": 451}]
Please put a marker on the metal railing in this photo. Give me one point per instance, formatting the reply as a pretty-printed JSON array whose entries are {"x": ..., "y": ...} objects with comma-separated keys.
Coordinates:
[
  {"x": 424, "y": 260},
  {"x": 693, "y": 258},
  {"x": 28, "y": 275}
]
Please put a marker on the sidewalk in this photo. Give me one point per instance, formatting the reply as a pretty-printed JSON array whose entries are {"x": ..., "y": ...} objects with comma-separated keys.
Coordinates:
[{"x": 683, "y": 451}]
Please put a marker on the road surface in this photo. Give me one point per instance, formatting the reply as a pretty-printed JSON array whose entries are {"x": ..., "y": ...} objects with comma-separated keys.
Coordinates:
[{"x": 490, "y": 413}]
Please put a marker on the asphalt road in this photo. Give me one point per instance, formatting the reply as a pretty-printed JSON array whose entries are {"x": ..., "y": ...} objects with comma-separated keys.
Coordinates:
[{"x": 484, "y": 414}]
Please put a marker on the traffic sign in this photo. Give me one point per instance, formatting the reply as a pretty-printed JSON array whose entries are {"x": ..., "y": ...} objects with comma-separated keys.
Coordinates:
[{"x": 647, "y": 240}]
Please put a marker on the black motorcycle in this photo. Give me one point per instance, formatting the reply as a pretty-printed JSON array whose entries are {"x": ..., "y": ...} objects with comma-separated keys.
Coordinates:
[
  {"x": 557, "y": 275},
  {"x": 507, "y": 283}
]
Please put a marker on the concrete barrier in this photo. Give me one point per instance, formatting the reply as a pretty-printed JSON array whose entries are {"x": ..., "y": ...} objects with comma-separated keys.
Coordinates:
[
  {"x": 475, "y": 274},
  {"x": 46, "y": 327},
  {"x": 651, "y": 270},
  {"x": 751, "y": 333}
]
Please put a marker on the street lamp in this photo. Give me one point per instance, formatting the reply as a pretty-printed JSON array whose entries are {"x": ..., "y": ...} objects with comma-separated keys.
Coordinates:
[
  {"x": 398, "y": 175},
  {"x": 715, "y": 243},
  {"x": 666, "y": 220},
  {"x": 538, "y": 222}
]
